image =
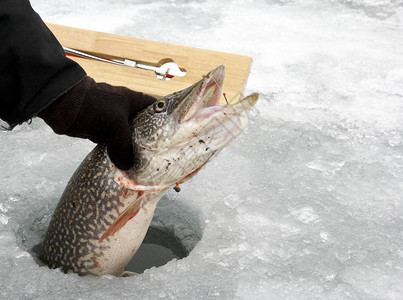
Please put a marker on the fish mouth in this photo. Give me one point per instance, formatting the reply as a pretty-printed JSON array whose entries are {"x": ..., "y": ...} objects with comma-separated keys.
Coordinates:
[
  {"x": 203, "y": 94},
  {"x": 201, "y": 100}
]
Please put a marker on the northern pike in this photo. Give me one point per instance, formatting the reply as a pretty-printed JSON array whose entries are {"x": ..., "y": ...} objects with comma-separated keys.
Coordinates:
[{"x": 104, "y": 213}]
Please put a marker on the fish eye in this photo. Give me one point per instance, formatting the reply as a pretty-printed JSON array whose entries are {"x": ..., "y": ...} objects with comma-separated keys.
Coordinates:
[{"x": 160, "y": 106}]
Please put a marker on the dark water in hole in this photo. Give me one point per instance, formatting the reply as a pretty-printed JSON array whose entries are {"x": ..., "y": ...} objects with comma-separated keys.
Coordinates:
[{"x": 158, "y": 248}]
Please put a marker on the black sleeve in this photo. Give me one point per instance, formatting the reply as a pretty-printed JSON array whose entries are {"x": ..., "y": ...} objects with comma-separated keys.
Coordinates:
[{"x": 34, "y": 70}]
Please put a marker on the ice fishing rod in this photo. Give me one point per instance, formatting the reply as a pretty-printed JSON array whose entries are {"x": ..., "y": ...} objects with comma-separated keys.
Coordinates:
[{"x": 166, "y": 71}]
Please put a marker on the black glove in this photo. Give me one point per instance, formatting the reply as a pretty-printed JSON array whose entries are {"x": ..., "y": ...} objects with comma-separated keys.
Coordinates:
[{"x": 99, "y": 112}]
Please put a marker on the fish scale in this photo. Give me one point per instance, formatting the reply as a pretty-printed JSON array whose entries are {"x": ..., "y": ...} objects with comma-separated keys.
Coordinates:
[{"x": 82, "y": 215}]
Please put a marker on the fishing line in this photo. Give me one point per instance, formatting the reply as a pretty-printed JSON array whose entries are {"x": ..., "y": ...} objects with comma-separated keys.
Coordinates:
[{"x": 224, "y": 94}]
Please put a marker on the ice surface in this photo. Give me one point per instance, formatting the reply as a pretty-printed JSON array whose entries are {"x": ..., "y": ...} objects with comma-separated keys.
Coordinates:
[{"x": 306, "y": 204}]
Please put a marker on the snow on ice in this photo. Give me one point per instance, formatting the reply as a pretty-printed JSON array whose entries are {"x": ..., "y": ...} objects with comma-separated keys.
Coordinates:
[{"x": 306, "y": 204}]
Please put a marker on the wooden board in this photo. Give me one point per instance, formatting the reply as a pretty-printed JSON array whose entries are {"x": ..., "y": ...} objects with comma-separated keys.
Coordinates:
[{"x": 196, "y": 62}]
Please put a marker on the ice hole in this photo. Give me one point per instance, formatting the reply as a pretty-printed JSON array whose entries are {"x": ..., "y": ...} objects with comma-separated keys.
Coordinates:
[{"x": 173, "y": 233}]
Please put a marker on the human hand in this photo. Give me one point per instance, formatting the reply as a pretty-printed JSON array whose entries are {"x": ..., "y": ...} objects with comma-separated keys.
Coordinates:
[{"x": 99, "y": 112}]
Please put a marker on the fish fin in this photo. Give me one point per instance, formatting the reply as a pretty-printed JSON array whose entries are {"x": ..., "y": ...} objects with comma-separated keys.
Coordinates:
[
  {"x": 130, "y": 212},
  {"x": 128, "y": 274},
  {"x": 123, "y": 179}
]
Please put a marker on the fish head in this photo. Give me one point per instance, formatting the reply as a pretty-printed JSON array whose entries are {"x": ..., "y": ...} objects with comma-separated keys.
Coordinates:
[{"x": 178, "y": 134}]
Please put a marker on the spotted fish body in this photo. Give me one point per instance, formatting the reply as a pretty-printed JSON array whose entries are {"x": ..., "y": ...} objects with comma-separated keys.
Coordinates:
[
  {"x": 104, "y": 213},
  {"x": 90, "y": 204}
]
